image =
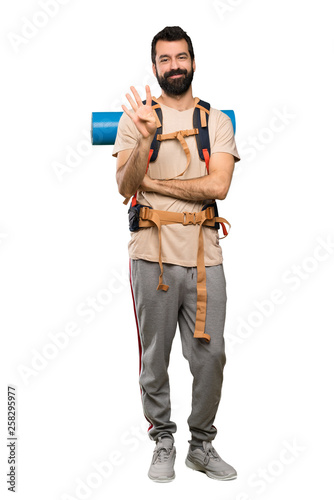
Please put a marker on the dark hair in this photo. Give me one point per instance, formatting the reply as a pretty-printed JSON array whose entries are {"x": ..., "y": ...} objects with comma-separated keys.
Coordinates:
[{"x": 171, "y": 34}]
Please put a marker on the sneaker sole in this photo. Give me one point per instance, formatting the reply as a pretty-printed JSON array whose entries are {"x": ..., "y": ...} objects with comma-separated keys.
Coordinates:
[
  {"x": 210, "y": 474},
  {"x": 163, "y": 479}
]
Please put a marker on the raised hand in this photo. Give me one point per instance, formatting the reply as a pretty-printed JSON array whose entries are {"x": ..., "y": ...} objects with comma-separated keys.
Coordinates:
[{"x": 143, "y": 115}]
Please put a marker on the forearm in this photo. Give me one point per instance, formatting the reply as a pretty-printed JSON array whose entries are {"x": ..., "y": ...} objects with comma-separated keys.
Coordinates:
[
  {"x": 198, "y": 189},
  {"x": 130, "y": 175}
]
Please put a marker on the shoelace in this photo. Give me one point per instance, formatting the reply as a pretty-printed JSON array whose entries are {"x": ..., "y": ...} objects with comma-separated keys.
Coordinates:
[
  {"x": 210, "y": 452},
  {"x": 161, "y": 454}
]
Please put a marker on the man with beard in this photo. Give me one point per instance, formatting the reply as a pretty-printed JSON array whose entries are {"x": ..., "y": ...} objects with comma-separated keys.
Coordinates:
[{"x": 168, "y": 187}]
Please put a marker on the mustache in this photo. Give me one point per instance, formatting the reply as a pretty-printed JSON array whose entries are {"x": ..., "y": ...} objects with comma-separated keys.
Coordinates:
[{"x": 174, "y": 72}]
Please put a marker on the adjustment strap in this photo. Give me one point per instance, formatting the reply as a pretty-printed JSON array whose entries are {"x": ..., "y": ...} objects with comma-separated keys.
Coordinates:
[
  {"x": 203, "y": 118},
  {"x": 146, "y": 213},
  {"x": 222, "y": 222},
  {"x": 202, "y": 113},
  {"x": 156, "y": 115},
  {"x": 201, "y": 290}
]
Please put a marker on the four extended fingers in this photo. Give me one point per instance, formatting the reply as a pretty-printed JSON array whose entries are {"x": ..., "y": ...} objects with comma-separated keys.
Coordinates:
[{"x": 138, "y": 102}]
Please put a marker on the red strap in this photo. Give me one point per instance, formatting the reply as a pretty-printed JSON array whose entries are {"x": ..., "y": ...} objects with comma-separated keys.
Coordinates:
[
  {"x": 134, "y": 198},
  {"x": 206, "y": 158},
  {"x": 149, "y": 159},
  {"x": 224, "y": 228}
]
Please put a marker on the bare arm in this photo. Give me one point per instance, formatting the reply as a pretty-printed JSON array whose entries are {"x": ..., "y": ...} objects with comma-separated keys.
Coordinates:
[
  {"x": 212, "y": 186},
  {"x": 131, "y": 164}
]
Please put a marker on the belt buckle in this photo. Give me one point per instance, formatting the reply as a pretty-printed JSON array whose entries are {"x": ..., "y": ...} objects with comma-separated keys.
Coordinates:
[
  {"x": 210, "y": 212},
  {"x": 189, "y": 218},
  {"x": 144, "y": 213}
]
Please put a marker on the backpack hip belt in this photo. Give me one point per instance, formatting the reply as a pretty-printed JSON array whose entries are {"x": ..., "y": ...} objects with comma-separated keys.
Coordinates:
[{"x": 149, "y": 217}]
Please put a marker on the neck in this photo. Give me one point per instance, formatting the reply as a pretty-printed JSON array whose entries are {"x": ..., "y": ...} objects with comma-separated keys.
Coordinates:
[{"x": 179, "y": 102}]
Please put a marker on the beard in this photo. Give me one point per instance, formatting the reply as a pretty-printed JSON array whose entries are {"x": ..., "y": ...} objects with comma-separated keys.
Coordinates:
[{"x": 175, "y": 86}]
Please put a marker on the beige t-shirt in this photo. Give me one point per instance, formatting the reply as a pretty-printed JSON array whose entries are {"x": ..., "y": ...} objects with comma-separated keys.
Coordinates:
[{"x": 179, "y": 243}]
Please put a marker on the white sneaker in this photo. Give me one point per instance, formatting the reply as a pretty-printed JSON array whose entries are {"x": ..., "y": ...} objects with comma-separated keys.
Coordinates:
[
  {"x": 208, "y": 461},
  {"x": 162, "y": 465}
]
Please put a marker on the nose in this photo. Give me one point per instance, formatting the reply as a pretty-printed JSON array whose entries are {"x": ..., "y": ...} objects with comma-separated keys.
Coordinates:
[{"x": 174, "y": 64}]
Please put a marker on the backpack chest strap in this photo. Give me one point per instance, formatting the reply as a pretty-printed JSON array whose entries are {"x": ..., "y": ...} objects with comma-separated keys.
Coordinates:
[{"x": 179, "y": 135}]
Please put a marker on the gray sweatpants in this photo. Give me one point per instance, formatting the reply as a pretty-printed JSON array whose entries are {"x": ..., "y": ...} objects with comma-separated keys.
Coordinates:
[{"x": 157, "y": 315}]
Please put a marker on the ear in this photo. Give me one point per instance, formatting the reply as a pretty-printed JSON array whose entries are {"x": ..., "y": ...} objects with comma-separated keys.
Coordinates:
[
  {"x": 194, "y": 65},
  {"x": 154, "y": 69}
]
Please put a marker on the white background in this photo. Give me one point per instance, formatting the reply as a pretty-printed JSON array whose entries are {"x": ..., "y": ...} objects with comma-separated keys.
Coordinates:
[{"x": 63, "y": 242}]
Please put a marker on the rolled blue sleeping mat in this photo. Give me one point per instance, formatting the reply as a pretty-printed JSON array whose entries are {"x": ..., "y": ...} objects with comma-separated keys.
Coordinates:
[{"x": 104, "y": 126}]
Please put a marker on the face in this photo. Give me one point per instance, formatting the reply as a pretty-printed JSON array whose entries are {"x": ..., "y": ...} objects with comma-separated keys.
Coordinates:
[{"x": 173, "y": 67}]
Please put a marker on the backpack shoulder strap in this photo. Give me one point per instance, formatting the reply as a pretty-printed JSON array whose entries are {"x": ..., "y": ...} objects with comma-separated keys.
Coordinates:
[
  {"x": 200, "y": 121},
  {"x": 155, "y": 145}
]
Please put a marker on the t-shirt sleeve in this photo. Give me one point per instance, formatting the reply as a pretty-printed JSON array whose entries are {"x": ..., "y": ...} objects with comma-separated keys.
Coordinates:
[
  {"x": 224, "y": 140},
  {"x": 127, "y": 135}
]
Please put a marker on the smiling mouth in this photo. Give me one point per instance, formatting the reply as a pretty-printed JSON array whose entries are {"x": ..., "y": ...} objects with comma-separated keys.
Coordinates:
[{"x": 175, "y": 76}]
